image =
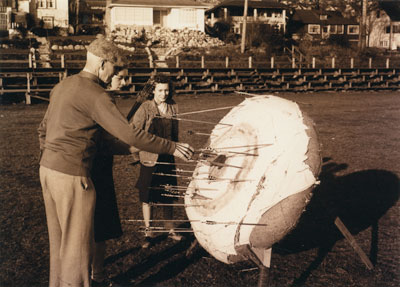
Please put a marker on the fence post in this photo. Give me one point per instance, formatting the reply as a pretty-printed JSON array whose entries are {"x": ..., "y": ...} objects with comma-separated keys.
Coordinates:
[
  {"x": 333, "y": 62},
  {"x": 250, "y": 62},
  {"x": 28, "y": 89},
  {"x": 62, "y": 61},
  {"x": 226, "y": 61},
  {"x": 30, "y": 60},
  {"x": 272, "y": 62},
  {"x": 202, "y": 62},
  {"x": 293, "y": 62},
  {"x": 370, "y": 63},
  {"x": 313, "y": 62},
  {"x": 387, "y": 63},
  {"x": 177, "y": 61},
  {"x": 352, "y": 63}
]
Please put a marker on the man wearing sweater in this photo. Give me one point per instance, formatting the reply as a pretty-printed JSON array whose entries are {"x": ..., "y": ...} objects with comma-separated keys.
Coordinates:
[{"x": 79, "y": 107}]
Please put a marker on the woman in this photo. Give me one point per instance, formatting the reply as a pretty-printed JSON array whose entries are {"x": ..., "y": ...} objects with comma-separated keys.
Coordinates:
[
  {"x": 156, "y": 116},
  {"x": 107, "y": 223}
]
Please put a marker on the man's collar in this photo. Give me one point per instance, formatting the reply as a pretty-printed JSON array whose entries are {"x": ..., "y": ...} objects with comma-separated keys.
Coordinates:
[{"x": 89, "y": 75}]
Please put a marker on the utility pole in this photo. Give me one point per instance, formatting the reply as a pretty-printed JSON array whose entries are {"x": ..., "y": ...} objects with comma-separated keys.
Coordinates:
[
  {"x": 76, "y": 14},
  {"x": 362, "y": 36},
  {"x": 243, "y": 44}
]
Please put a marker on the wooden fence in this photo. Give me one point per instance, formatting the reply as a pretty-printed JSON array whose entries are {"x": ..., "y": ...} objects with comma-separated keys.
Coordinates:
[
  {"x": 38, "y": 82},
  {"x": 76, "y": 60}
]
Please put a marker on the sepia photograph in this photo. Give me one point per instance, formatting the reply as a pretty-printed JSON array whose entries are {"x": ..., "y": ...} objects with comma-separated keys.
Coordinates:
[{"x": 199, "y": 143}]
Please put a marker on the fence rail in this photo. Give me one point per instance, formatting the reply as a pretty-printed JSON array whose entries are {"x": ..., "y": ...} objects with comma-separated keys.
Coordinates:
[
  {"x": 38, "y": 82},
  {"x": 76, "y": 60}
]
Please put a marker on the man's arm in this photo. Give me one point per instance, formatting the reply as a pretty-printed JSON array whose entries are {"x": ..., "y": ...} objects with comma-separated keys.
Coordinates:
[{"x": 107, "y": 115}]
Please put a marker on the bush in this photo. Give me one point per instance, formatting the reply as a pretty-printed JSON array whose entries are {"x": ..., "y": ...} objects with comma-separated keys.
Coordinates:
[
  {"x": 21, "y": 43},
  {"x": 261, "y": 34},
  {"x": 90, "y": 29},
  {"x": 223, "y": 30},
  {"x": 339, "y": 40}
]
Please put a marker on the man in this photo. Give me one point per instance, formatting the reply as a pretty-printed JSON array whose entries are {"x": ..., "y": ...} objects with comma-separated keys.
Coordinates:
[{"x": 79, "y": 107}]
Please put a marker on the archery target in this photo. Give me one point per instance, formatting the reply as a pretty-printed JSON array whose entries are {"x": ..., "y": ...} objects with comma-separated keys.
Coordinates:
[{"x": 255, "y": 177}]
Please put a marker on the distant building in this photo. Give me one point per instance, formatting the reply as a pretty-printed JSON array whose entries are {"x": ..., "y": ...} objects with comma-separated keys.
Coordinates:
[
  {"x": 17, "y": 13},
  {"x": 92, "y": 11},
  {"x": 5, "y": 15},
  {"x": 173, "y": 14},
  {"x": 320, "y": 25},
  {"x": 384, "y": 26},
  {"x": 266, "y": 11},
  {"x": 53, "y": 13}
]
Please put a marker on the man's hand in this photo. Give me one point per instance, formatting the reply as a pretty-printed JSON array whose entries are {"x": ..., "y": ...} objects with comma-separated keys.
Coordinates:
[{"x": 183, "y": 151}]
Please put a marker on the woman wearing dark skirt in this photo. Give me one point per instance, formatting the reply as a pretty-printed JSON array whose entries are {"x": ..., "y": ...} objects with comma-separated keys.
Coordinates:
[
  {"x": 156, "y": 116},
  {"x": 107, "y": 223}
]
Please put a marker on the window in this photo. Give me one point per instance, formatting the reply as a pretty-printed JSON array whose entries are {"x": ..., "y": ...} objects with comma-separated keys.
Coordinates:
[
  {"x": 3, "y": 21},
  {"x": 188, "y": 17},
  {"x": 313, "y": 29},
  {"x": 332, "y": 29},
  {"x": 325, "y": 29},
  {"x": 159, "y": 17},
  {"x": 384, "y": 43},
  {"x": 42, "y": 4},
  {"x": 48, "y": 22},
  {"x": 340, "y": 29},
  {"x": 353, "y": 29},
  {"x": 323, "y": 17},
  {"x": 133, "y": 15},
  {"x": 51, "y": 3},
  {"x": 396, "y": 29}
]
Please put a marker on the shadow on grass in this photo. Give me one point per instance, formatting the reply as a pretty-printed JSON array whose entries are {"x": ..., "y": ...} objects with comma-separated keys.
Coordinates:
[
  {"x": 359, "y": 199},
  {"x": 111, "y": 259},
  {"x": 177, "y": 257}
]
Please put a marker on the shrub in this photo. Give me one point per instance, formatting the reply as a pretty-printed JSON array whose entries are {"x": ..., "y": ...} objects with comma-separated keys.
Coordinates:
[
  {"x": 339, "y": 40},
  {"x": 21, "y": 43},
  {"x": 223, "y": 30}
]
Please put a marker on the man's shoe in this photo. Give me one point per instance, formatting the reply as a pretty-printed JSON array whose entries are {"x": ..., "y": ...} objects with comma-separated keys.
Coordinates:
[{"x": 105, "y": 283}]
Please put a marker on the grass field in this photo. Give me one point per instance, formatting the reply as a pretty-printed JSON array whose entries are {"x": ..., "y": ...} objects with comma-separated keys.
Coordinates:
[{"x": 360, "y": 141}]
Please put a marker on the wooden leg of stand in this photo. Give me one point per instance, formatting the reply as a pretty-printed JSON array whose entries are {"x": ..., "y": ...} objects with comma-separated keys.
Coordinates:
[
  {"x": 262, "y": 258},
  {"x": 346, "y": 233}
]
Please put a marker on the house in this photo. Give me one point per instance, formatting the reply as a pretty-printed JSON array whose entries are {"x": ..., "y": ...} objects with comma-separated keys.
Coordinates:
[
  {"x": 18, "y": 13},
  {"x": 383, "y": 26},
  {"x": 173, "y": 14},
  {"x": 265, "y": 11},
  {"x": 92, "y": 11},
  {"x": 320, "y": 25},
  {"x": 5, "y": 15},
  {"x": 53, "y": 13}
]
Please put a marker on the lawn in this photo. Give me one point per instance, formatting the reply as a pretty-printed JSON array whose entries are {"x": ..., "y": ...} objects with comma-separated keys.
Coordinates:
[{"x": 360, "y": 146}]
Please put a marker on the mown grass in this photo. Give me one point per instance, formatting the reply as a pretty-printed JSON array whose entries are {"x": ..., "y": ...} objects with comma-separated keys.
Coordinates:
[{"x": 359, "y": 138}]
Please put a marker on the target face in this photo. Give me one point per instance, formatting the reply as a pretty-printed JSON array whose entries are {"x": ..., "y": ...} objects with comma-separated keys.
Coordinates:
[{"x": 262, "y": 155}]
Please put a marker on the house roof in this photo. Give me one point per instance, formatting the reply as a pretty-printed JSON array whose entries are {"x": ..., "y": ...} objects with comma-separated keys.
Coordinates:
[
  {"x": 251, "y": 4},
  {"x": 163, "y": 3},
  {"x": 313, "y": 17},
  {"x": 392, "y": 8}
]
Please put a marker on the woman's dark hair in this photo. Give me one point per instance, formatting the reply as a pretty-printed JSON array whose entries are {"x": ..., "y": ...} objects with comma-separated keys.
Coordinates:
[{"x": 162, "y": 79}]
